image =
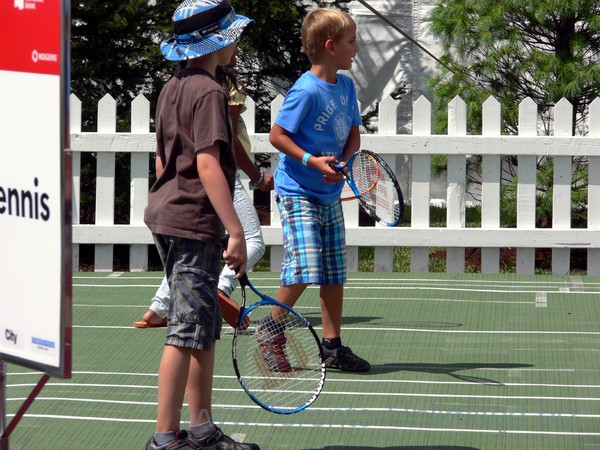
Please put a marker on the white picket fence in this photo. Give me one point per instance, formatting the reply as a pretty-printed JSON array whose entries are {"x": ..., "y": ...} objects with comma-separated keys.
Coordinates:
[{"x": 410, "y": 155}]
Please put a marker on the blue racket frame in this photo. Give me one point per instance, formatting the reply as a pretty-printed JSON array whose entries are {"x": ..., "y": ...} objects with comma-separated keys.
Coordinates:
[{"x": 244, "y": 312}]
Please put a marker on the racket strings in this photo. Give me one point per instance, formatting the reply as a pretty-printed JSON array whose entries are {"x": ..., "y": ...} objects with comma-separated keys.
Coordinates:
[
  {"x": 381, "y": 198},
  {"x": 365, "y": 173},
  {"x": 279, "y": 361},
  {"x": 387, "y": 201}
]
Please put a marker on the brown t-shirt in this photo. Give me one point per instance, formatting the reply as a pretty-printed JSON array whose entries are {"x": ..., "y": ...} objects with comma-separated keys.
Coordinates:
[{"x": 191, "y": 115}]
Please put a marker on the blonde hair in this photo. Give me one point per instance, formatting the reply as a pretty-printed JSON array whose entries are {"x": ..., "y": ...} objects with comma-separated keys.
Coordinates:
[{"x": 319, "y": 25}]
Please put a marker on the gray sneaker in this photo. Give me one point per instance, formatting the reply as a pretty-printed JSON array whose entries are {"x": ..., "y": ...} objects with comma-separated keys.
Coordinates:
[
  {"x": 344, "y": 359},
  {"x": 219, "y": 441},
  {"x": 180, "y": 443}
]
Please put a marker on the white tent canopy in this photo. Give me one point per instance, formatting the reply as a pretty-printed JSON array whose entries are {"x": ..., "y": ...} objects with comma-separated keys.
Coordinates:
[{"x": 387, "y": 60}]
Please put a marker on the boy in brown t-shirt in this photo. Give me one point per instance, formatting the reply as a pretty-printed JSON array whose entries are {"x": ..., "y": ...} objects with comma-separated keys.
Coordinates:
[{"x": 189, "y": 208}]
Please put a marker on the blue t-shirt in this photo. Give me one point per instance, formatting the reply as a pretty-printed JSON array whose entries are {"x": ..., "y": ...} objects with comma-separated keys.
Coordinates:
[{"x": 318, "y": 115}]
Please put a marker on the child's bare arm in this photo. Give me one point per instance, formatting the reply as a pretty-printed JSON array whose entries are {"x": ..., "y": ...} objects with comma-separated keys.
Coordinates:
[
  {"x": 352, "y": 143},
  {"x": 215, "y": 184},
  {"x": 159, "y": 166}
]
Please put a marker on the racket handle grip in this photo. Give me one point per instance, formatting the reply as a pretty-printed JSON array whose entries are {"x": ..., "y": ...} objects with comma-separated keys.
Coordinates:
[
  {"x": 225, "y": 241},
  {"x": 244, "y": 281},
  {"x": 341, "y": 169},
  {"x": 244, "y": 278}
]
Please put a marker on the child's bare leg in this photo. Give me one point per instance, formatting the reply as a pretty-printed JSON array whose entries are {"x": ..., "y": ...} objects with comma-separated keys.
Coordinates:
[
  {"x": 199, "y": 386},
  {"x": 288, "y": 295},
  {"x": 331, "y": 309},
  {"x": 172, "y": 374},
  {"x": 152, "y": 318},
  {"x": 337, "y": 356}
]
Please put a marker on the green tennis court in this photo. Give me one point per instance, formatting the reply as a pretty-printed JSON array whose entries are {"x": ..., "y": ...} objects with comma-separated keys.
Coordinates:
[{"x": 459, "y": 362}]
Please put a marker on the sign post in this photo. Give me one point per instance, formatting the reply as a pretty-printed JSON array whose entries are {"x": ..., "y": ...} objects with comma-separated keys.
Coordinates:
[{"x": 35, "y": 192}]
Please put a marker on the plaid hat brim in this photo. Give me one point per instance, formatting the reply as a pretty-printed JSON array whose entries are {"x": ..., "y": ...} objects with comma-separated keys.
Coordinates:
[{"x": 189, "y": 47}]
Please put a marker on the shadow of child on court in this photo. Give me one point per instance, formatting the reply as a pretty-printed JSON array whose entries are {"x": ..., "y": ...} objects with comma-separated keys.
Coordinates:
[{"x": 450, "y": 370}]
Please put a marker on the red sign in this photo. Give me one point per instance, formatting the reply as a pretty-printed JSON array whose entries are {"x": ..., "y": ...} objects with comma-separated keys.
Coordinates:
[{"x": 30, "y": 36}]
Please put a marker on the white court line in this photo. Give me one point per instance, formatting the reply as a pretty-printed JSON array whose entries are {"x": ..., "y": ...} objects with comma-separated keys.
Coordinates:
[
  {"x": 89, "y": 400},
  {"x": 80, "y": 305},
  {"x": 145, "y": 306},
  {"x": 375, "y": 288},
  {"x": 407, "y": 330},
  {"x": 455, "y": 286},
  {"x": 106, "y": 277},
  {"x": 574, "y": 333},
  {"x": 460, "y": 289},
  {"x": 465, "y": 281},
  {"x": 393, "y": 287},
  {"x": 576, "y": 282},
  {"x": 341, "y": 393},
  {"x": 301, "y": 307},
  {"x": 324, "y": 425},
  {"x": 117, "y": 285},
  {"x": 372, "y": 288},
  {"x": 384, "y": 283},
  {"x": 449, "y": 300},
  {"x": 403, "y": 428},
  {"x": 315, "y": 409},
  {"x": 86, "y": 418},
  {"x": 371, "y": 381},
  {"x": 106, "y": 327},
  {"x": 346, "y": 287}
]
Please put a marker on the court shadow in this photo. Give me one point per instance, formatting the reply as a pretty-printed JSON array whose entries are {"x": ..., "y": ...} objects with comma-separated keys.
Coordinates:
[
  {"x": 451, "y": 370},
  {"x": 395, "y": 447},
  {"x": 316, "y": 320}
]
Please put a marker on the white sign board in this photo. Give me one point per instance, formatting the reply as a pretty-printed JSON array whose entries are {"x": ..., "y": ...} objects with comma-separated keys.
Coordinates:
[{"x": 35, "y": 282}]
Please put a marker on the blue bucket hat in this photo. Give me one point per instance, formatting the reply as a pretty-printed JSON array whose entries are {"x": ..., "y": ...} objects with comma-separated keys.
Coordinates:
[{"x": 201, "y": 27}]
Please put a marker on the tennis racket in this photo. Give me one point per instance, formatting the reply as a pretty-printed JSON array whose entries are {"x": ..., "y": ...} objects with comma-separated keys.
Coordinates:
[
  {"x": 278, "y": 361},
  {"x": 375, "y": 186}
]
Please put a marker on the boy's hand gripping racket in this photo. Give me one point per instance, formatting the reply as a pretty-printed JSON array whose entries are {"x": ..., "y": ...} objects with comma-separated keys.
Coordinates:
[
  {"x": 375, "y": 186},
  {"x": 279, "y": 360}
]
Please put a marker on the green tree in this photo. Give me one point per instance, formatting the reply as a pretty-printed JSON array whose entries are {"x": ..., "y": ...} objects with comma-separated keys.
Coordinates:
[
  {"x": 513, "y": 49},
  {"x": 115, "y": 49}
]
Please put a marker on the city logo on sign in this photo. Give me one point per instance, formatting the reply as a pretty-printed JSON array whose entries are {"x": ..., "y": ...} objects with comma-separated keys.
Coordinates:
[{"x": 10, "y": 336}]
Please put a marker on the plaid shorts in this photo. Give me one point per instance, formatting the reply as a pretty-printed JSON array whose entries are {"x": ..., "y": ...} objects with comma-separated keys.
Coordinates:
[
  {"x": 192, "y": 269},
  {"x": 314, "y": 242}
]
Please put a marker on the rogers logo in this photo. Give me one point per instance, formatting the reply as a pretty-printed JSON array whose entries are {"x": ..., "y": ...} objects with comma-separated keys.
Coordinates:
[{"x": 49, "y": 57}]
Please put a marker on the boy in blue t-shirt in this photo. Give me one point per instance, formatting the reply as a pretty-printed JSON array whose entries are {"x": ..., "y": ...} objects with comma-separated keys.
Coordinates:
[{"x": 316, "y": 127}]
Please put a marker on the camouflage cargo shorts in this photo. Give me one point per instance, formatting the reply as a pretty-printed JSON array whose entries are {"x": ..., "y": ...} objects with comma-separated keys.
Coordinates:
[{"x": 192, "y": 269}]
